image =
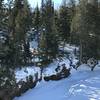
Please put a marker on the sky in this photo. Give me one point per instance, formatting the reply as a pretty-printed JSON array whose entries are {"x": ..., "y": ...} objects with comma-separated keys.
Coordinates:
[{"x": 33, "y": 3}]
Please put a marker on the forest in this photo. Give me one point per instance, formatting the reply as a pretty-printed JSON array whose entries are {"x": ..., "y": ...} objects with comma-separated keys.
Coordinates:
[{"x": 38, "y": 36}]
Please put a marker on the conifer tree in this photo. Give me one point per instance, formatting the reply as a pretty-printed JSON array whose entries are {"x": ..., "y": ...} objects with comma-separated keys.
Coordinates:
[
  {"x": 1, "y": 13},
  {"x": 37, "y": 19},
  {"x": 48, "y": 31},
  {"x": 64, "y": 22},
  {"x": 88, "y": 29},
  {"x": 20, "y": 21}
]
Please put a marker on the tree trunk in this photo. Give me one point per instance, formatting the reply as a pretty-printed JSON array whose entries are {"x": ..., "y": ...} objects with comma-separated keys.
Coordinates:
[
  {"x": 80, "y": 54},
  {"x": 63, "y": 46}
]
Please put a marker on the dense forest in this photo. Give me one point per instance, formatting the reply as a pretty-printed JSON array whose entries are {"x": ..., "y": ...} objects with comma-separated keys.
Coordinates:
[{"x": 74, "y": 22}]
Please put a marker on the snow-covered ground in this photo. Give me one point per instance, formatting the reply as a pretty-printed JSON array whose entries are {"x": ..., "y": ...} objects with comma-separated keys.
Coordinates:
[
  {"x": 50, "y": 70},
  {"x": 82, "y": 84},
  {"x": 33, "y": 45},
  {"x": 68, "y": 48},
  {"x": 21, "y": 74}
]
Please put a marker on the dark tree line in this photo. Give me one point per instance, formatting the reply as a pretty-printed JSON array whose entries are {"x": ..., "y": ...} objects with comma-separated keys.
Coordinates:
[{"x": 15, "y": 21}]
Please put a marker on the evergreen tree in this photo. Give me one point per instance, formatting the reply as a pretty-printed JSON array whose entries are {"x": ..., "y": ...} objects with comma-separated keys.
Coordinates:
[
  {"x": 88, "y": 29},
  {"x": 43, "y": 13},
  {"x": 7, "y": 79},
  {"x": 64, "y": 22},
  {"x": 75, "y": 27},
  {"x": 20, "y": 21},
  {"x": 72, "y": 6},
  {"x": 48, "y": 31},
  {"x": 1, "y": 13},
  {"x": 37, "y": 19}
]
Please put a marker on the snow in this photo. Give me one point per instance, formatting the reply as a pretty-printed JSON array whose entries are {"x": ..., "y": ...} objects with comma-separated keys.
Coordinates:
[
  {"x": 35, "y": 59},
  {"x": 80, "y": 85},
  {"x": 21, "y": 74},
  {"x": 69, "y": 48},
  {"x": 50, "y": 70},
  {"x": 33, "y": 45}
]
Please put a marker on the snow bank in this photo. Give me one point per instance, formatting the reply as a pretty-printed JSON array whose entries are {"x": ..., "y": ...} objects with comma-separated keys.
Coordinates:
[
  {"x": 21, "y": 74},
  {"x": 50, "y": 70},
  {"x": 69, "y": 48},
  {"x": 81, "y": 85},
  {"x": 33, "y": 45}
]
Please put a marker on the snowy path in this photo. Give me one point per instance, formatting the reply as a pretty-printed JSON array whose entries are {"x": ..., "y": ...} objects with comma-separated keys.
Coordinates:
[{"x": 81, "y": 85}]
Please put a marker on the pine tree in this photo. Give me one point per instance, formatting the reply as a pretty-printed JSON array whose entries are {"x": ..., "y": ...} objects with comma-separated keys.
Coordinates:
[
  {"x": 1, "y": 13},
  {"x": 88, "y": 29},
  {"x": 72, "y": 6},
  {"x": 1, "y": 8},
  {"x": 37, "y": 19},
  {"x": 48, "y": 31},
  {"x": 75, "y": 27},
  {"x": 20, "y": 21},
  {"x": 6, "y": 67},
  {"x": 43, "y": 13},
  {"x": 64, "y": 22}
]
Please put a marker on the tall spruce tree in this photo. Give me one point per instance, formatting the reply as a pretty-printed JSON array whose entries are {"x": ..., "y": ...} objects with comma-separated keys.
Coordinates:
[
  {"x": 64, "y": 22},
  {"x": 72, "y": 6},
  {"x": 1, "y": 13},
  {"x": 48, "y": 31},
  {"x": 20, "y": 21},
  {"x": 37, "y": 19},
  {"x": 88, "y": 29},
  {"x": 6, "y": 67}
]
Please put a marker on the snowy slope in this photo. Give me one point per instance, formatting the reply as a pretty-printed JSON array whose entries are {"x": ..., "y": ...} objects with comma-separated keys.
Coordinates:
[
  {"x": 21, "y": 74},
  {"x": 33, "y": 45},
  {"x": 80, "y": 85},
  {"x": 50, "y": 70}
]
